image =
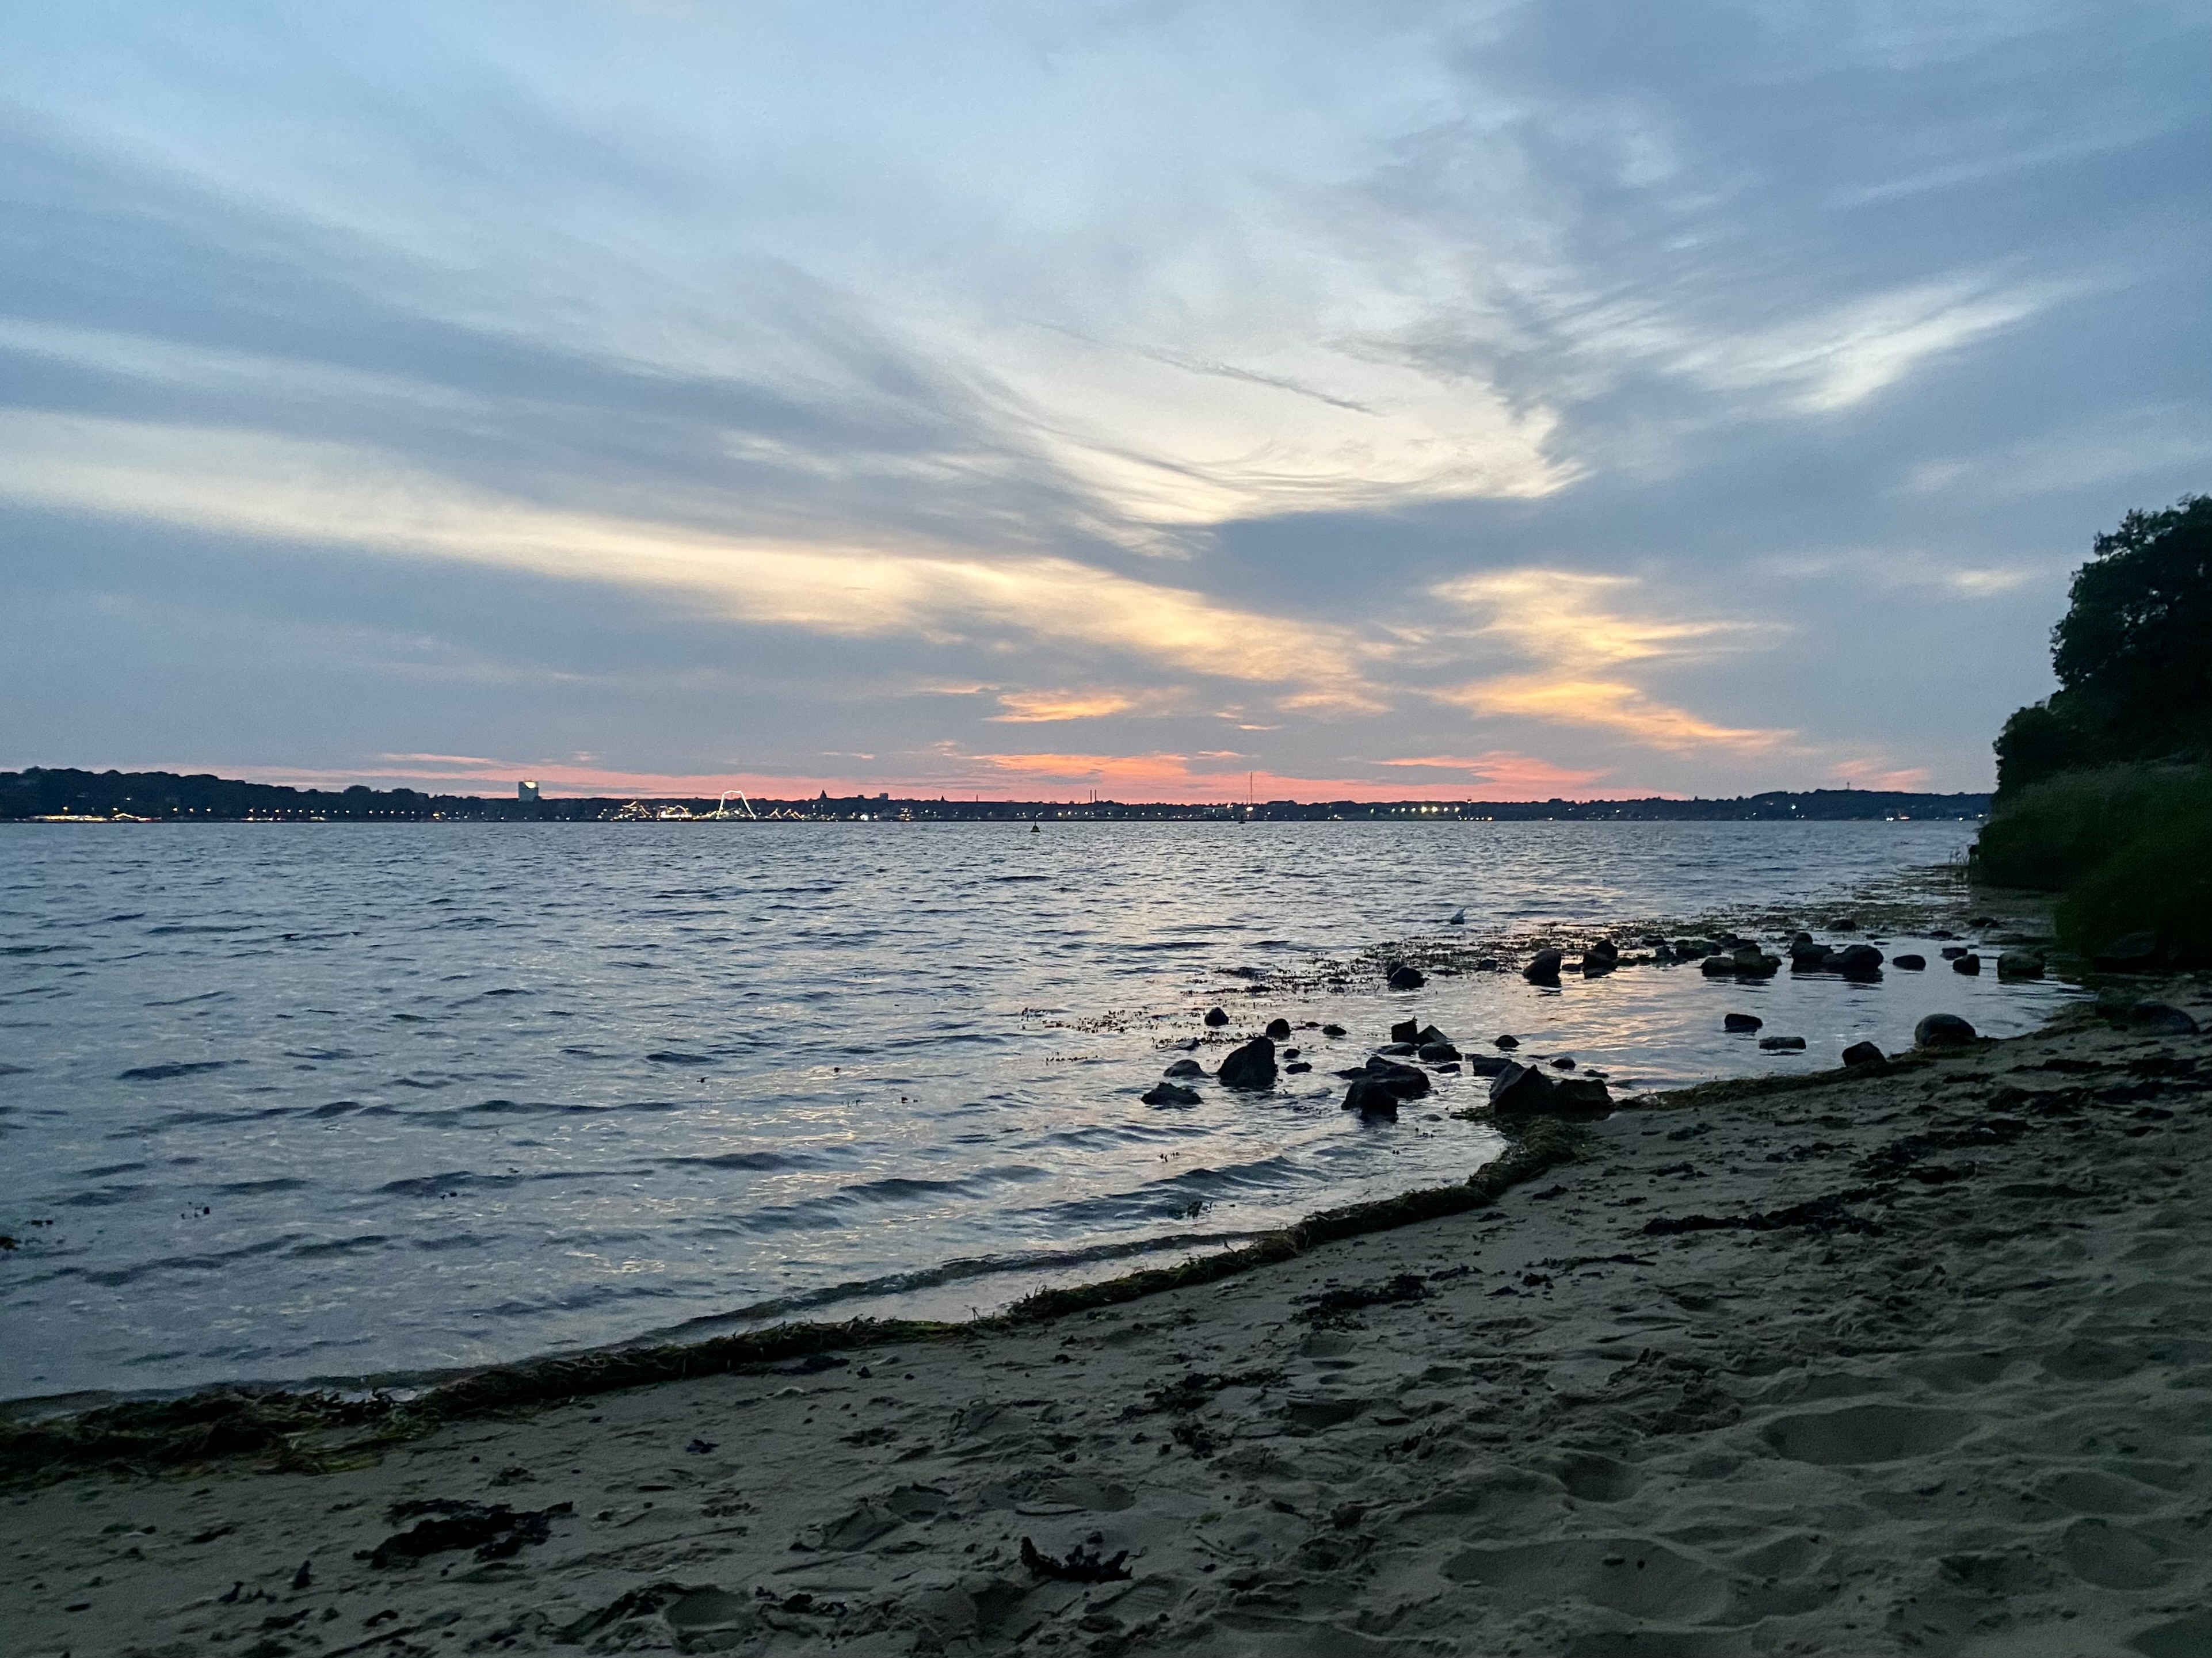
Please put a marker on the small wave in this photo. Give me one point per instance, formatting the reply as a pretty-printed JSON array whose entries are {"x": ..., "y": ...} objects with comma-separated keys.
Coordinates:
[
  {"x": 155, "y": 1073},
  {"x": 111, "y": 1170},
  {"x": 35, "y": 950},
  {"x": 367, "y": 1244},
  {"x": 106, "y": 1198},
  {"x": 186, "y": 1001},
  {"x": 280, "y": 1183},
  {"x": 177, "y": 928},
  {"x": 670, "y": 1056},
  {"x": 738, "y": 1160},
  {"x": 14, "y": 1070}
]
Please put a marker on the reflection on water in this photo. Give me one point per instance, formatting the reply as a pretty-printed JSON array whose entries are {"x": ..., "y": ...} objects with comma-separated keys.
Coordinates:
[{"x": 321, "y": 1100}]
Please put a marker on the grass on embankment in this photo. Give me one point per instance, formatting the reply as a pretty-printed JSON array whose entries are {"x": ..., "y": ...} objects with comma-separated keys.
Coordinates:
[{"x": 2129, "y": 847}]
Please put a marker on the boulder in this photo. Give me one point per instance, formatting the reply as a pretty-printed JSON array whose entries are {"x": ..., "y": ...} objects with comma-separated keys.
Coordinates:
[
  {"x": 2131, "y": 952},
  {"x": 1858, "y": 962},
  {"x": 1407, "y": 978},
  {"x": 1407, "y": 1082},
  {"x": 1289, "y": 1053},
  {"x": 1865, "y": 1054},
  {"x": 1437, "y": 1053},
  {"x": 1942, "y": 1031},
  {"x": 1968, "y": 963},
  {"x": 1397, "y": 1048},
  {"x": 1170, "y": 1094},
  {"x": 1596, "y": 966},
  {"x": 1406, "y": 1031},
  {"x": 1952, "y": 952},
  {"x": 1333, "y": 1030},
  {"x": 1216, "y": 1017},
  {"x": 1485, "y": 1065},
  {"x": 1663, "y": 955},
  {"x": 1741, "y": 1022},
  {"x": 1185, "y": 1068},
  {"x": 1843, "y": 924},
  {"x": 1508, "y": 1043},
  {"x": 1565, "y": 1062},
  {"x": 1910, "y": 964},
  {"x": 1718, "y": 966},
  {"x": 1278, "y": 1029},
  {"x": 1370, "y": 1097},
  {"x": 1252, "y": 1066},
  {"x": 1783, "y": 1044},
  {"x": 2020, "y": 964},
  {"x": 1427, "y": 1034},
  {"x": 1806, "y": 956},
  {"x": 1522, "y": 1090},
  {"x": 1753, "y": 963},
  {"x": 1486, "y": 964},
  {"x": 1543, "y": 968},
  {"x": 1297, "y": 1067},
  {"x": 2160, "y": 1019}
]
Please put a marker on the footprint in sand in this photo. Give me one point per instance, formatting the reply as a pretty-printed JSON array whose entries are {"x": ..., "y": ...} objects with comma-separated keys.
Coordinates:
[{"x": 1866, "y": 1433}]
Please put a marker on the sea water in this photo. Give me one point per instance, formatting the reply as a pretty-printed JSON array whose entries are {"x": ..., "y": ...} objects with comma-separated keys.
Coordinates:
[{"x": 282, "y": 1102}]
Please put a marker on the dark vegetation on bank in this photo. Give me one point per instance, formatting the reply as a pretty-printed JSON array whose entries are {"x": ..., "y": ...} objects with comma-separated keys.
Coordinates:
[
  {"x": 166, "y": 797},
  {"x": 2104, "y": 787}
]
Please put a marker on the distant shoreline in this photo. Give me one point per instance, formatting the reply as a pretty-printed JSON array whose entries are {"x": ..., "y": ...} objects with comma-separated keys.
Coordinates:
[{"x": 57, "y": 795}]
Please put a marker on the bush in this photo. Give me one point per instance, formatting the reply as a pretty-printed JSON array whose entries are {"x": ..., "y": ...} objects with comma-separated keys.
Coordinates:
[
  {"x": 2161, "y": 883},
  {"x": 2130, "y": 847}
]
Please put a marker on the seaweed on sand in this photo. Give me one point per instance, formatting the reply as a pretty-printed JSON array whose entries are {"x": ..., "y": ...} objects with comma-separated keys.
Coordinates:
[{"x": 296, "y": 1426}]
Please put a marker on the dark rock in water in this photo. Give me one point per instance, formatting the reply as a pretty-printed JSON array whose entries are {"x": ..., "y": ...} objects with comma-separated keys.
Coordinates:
[
  {"x": 1407, "y": 978},
  {"x": 1844, "y": 924},
  {"x": 1858, "y": 962},
  {"x": 1427, "y": 1034},
  {"x": 1278, "y": 1029},
  {"x": 1969, "y": 963},
  {"x": 1521, "y": 1090},
  {"x": 1910, "y": 964},
  {"x": 1356, "y": 1071},
  {"x": 2020, "y": 964},
  {"x": 1941, "y": 932},
  {"x": 1952, "y": 952},
  {"x": 1397, "y": 1048},
  {"x": 2131, "y": 952},
  {"x": 1297, "y": 1067},
  {"x": 1216, "y": 1017},
  {"x": 1332, "y": 1030},
  {"x": 1603, "y": 947},
  {"x": 1806, "y": 956},
  {"x": 1718, "y": 967},
  {"x": 1485, "y": 1065},
  {"x": 1486, "y": 964},
  {"x": 1509, "y": 1043},
  {"x": 1289, "y": 1053},
  {"x": 1252, "y": 1066},
  {"x": 1437, "y": 1053},
  {"x": 1865, "y": 1054},
  {"x": 1371, "y": 1096},
  {"x": 1753, "y": 963},
  {"x": 1404, "y": 1080},
  {"x": 1543, "y": 968},
  {"x": 1170, "y": 1094},
  {"x": 1596, "y": 966},
  {"x": 1782, "y": 1044},
  {"x": 1741, "y": 1022},
  {"x": 1565, "y": 1062},
  {"x": 2160, "y": 1019},
  {"x": 1663, "y": 955},
  {"x": 1406, "y": 1031},
  {"x": 1942, "y": 1031},
  {"x": 1185, "y": 1068}
]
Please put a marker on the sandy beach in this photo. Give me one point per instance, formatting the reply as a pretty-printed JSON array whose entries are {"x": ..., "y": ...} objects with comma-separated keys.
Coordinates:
[{"x": 1914, "y": 1362}]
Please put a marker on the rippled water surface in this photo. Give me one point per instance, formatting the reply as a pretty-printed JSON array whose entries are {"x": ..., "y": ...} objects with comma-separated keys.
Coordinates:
[{"x": 285, "y": 1100}]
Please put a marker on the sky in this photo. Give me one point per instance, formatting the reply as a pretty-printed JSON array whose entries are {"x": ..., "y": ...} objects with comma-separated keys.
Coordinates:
[{"x": 1022, "y": 400}]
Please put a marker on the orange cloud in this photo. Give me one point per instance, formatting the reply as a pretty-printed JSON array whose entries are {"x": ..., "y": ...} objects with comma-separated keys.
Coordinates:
[
  {"x": 1608, "y": 704},
  {"x": 1042, "y": 708}
]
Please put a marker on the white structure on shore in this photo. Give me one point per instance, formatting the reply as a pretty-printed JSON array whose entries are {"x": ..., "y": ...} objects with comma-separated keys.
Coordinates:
[{"x": 526, "y": 789}]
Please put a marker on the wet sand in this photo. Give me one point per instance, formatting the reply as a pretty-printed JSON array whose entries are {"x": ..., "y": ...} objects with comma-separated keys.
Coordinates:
[{"x": 1928, "y": 1371}]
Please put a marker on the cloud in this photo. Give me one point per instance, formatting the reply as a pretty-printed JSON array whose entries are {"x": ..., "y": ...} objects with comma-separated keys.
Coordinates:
[
  {"x": 1041, "y": 707},
  {"x": 1577, "y": 625},
  {"x": 254, "y": 484},
  {"x": 1517, "y": 774}
]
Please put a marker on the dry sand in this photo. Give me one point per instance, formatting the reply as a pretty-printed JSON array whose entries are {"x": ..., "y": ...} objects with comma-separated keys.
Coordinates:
[{"x": 1962, "y": 1403}]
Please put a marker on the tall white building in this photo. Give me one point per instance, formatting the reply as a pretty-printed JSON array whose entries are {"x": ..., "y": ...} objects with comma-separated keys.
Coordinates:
[{"x": 526, "y": 789}]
